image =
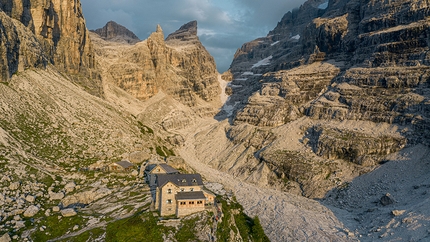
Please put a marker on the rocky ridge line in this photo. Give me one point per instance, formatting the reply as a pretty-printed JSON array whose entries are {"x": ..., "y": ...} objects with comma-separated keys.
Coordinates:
[{"x": 116, "y": 32}]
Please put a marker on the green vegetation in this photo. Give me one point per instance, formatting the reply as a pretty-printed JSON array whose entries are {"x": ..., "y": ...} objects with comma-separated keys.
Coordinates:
[
  {"x": 164, "y": 151},
  {"x": 90, "y": 235},
  {"x": 56, "y": 227},
  {"x": 160, "y": 151},
  {"x": 144, "y": 129},
  {"x": 140, "y": 227},
  {"x": 187, "y": 231},
  {"x": 36, "y": 131},
  {"x": 235, "y": 219}
]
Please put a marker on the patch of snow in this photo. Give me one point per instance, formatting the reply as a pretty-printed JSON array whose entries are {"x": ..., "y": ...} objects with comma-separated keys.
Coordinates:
[
  {"x": 233, "y": 86},
  {"x": 223, "y": 84},
  {"x": 229, "y": 108},
  {"x": 263, "y": 62},
  {"x": 323, "y": 5},
  {"x": 277, "y": 42},
  {"x": 248, "y": 73},
  {"x": 241, "y": 79},
  {"x": 296, "y": 37}
]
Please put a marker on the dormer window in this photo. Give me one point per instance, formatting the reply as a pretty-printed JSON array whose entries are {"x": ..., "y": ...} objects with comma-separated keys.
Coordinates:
[
  {"x": 184, "y": 180},
  {"x": 182, "y": 189},
  {"x": 191, "y": 189},
  {"x": 194, "y": 181}
]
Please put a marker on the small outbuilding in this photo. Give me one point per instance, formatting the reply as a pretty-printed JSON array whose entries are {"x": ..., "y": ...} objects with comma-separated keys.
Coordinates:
[{"x": 121, "y": 166}]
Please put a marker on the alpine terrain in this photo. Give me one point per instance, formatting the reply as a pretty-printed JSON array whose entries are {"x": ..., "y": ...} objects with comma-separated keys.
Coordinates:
[{"x": 319, "y": 131}]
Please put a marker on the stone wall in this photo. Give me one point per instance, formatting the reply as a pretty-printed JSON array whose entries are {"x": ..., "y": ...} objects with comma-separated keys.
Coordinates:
[{"x": 188, "y": 208}]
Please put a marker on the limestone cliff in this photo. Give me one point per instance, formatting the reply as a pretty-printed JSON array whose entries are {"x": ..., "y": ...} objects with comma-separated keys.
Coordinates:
[
  {"x": 179, "y": 66},
  {"x": 60, "y": 38},
  {"x": 116, "y": 32},
  {"x": 335, "y": 71}
]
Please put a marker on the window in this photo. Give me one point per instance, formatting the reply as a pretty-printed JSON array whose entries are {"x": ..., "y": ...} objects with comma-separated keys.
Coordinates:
[
  {"x": 169, "y": 191},
  {"x": 194, "y": 180},
  {"x": 191, "y": 202},
  {"x": 169, "y": 201},
  {"x": 199, "y": 202},
  {"x": 191, "y": 189},
  {"x": 182, "y": 189},
  {"x": 183, "y": 203}
]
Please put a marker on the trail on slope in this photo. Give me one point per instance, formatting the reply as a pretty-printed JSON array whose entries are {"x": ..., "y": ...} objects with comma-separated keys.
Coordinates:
[{"x": 285, "y": 217}]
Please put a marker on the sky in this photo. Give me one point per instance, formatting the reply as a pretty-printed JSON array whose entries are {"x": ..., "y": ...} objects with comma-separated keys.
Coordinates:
[{"x": 223, "y": 25}]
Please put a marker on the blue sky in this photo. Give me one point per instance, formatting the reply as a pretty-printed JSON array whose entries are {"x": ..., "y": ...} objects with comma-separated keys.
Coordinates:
[{"x": 223, "y": 25}]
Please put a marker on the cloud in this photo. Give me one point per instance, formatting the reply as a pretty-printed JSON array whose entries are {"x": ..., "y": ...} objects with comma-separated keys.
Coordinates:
[{"x": 223, "y": 25}]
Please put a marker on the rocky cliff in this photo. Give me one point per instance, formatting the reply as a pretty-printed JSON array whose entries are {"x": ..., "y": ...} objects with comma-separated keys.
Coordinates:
[
  {"x": 116, "y": 32},
  {"x": 50, "y": 32},
  {"x": 334, "y": 71},
  {"x": 179, "y": 66}
]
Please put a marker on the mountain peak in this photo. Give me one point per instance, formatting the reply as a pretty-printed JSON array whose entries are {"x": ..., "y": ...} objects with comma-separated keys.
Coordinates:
[
  {"x": 115, "y": 32},
  {"x": 159, "y": 29},
  {"x": 186, "y": 32}
]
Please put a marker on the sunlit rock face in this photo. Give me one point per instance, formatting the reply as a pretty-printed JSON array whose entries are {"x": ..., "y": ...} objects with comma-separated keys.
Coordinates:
[
  {"x": 334, "y": 80},
  {"x": 48, "y": 32},
  {"x": 179, "y": 66},
  {"x": 338, "y": 60}
]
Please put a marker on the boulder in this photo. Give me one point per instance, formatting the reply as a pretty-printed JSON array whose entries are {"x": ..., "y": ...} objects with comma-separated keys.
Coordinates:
[
  {"x": 139, "y": 156},
  {"x": 56, "y": 195},
  {"x": 19, "y": 225},
  {"x": 68, "y": 212},
  {"x": 31, "y": 211},
  {"x": 387, "y": 199},
  {"x": 55, "y": 209},
  {"x": 86, "y": 197},
  {"x": 398, "y": 212},
  {"x": 70, "y": 187},
  {"x": 30, "y": 198},
  {"x": 14, "y": 185},
  {"x": 134, "y": 173},
  {"x": 5, "y": 238}
]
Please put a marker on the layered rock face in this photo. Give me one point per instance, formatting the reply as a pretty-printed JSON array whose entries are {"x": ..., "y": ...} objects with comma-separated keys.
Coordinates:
[
  {"x": 60, "y": 26},
  {"x": 116, "y": 32},
  {"x": 179, "y": 66},
  {"x": 336, "y": 70},
  {"x": 58, "y": 36}
]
